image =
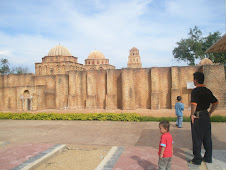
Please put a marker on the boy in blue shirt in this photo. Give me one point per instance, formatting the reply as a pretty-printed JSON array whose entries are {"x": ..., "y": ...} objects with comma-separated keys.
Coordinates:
[{"x": 179, "y": 107}]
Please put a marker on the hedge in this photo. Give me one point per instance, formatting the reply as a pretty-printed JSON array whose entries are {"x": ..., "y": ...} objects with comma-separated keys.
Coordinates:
[{"x": 96, "y": 116}]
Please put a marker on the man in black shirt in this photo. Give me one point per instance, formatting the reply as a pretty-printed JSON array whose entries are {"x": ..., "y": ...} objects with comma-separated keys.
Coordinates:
[{"x": 201, "y": 98}]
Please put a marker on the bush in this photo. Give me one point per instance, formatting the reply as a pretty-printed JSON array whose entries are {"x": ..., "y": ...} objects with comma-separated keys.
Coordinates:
[{"x": 96, "y": 116}]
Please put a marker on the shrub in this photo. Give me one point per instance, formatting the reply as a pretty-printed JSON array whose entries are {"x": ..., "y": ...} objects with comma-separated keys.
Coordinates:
[{"x": 96, "y": 116}]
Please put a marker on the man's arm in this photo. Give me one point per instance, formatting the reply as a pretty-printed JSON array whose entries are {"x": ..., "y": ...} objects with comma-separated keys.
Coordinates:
[
  {"x": 213, "y": 107},
  {"x": 193, "y": 109}
]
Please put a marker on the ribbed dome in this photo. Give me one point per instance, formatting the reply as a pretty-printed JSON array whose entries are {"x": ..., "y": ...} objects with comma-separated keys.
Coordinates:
[
  {"x": 205, "y": 61},
  {"x": 59, "y": 50},
  {"x": 96, "y": 55}
]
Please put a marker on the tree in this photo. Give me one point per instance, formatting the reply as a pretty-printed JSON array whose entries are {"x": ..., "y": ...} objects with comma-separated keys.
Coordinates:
[
  {"x": 208, "y": 42},
  {"x": 195, "y": 45},
  {"x": 4, "y": 66},
  {"x": 19, "y": 70},
  {"x": 5, "y": 69}
]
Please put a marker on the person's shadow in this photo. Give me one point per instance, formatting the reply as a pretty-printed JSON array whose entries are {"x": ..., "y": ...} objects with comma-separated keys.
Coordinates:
[{"x": 146, "y": 165}]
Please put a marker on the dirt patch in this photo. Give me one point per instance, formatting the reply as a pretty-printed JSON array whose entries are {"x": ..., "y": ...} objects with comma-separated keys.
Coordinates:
[{"x": 77, "y": 157}]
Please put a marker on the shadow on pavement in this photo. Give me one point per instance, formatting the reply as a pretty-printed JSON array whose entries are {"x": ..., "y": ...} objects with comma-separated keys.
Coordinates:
[{"x": 144, "y": 163}]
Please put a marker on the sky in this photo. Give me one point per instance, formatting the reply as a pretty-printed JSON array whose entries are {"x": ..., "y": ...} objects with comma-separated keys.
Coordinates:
[{"x": 29, "y": 29}]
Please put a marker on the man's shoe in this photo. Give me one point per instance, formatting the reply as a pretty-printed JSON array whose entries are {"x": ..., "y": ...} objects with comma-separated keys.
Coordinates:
[
  {"x": 207, "y": 161},
  {"x": 176, "y": 124},
  {"x": 194, "y": 163}
]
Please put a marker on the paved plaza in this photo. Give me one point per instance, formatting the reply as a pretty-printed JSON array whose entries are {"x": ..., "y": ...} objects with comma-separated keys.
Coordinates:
[{"x": 133, "y": 145}]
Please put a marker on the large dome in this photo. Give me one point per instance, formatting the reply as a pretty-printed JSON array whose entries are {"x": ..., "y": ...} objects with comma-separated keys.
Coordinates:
[
  {"x": 205, "y": 61},
  {"x": 96, "y": 55},
  {"x": 59, "y": 50}
]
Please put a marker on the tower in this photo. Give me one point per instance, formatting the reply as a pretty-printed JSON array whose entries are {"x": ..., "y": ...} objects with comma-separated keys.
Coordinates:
[{"x": 134, "y": 58}]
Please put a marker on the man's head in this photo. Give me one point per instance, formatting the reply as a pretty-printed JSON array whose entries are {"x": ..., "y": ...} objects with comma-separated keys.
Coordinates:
[{"x": 198, "y": 78}]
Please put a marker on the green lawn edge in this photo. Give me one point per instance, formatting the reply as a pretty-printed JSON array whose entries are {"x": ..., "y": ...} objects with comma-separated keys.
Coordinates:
[{"x": 96, "y": 116}]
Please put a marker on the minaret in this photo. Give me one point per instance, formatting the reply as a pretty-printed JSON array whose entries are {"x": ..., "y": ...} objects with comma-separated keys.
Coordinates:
[{"x": 134, "y": 58}]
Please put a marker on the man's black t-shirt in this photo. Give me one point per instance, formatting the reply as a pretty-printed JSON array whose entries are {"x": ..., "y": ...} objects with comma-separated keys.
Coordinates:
[{"x": 202, "y": 97}]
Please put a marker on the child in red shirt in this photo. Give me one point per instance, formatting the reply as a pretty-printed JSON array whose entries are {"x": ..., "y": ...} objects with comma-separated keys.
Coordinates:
[{"x": 165, "y": 146}]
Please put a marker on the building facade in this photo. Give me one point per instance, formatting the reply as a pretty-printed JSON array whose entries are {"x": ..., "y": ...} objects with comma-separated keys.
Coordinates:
[{"x": 60, "y": 83}]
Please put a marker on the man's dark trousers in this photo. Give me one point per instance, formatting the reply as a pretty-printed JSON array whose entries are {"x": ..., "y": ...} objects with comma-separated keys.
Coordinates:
[{"x": 201, "y": 133}]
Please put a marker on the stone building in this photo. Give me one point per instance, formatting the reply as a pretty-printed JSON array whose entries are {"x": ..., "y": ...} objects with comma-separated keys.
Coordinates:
[
  {"x": 134, "y": 60},
  {"x": 60, "y": 83},
  {"x": 97, "y": 61},
  {"x": 60, "y": 61}
]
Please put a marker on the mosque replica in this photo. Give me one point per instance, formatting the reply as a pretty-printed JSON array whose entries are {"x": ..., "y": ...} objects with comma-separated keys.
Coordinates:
[{"x": 60, "y": 82}]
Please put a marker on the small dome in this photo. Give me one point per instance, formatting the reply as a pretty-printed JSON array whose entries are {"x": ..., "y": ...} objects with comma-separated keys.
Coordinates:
[
  {"x": 96, "y": 55},
  {"x": 134, "y": 48},
  {"x": 205, "y": 61},
  {"x": 59, "y": 50}
]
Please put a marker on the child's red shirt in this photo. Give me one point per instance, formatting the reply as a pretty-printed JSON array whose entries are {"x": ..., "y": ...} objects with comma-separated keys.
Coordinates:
[{"x": 167, "y": 142}]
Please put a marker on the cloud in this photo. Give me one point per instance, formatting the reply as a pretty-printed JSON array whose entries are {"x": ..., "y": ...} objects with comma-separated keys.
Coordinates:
[{"x": 29, "y": 29}]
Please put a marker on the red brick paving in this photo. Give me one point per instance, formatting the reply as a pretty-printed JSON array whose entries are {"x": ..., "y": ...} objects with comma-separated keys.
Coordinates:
[
  {"x": 141, "y": 158},
  {"x": 16, "y": 154}
]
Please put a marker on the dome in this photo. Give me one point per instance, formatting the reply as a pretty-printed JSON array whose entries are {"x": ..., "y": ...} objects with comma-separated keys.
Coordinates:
[
  {"x": 134, "y": 48},
  {"x": 59, "y": 50},
  {"x": 96, "y": 55},
  {"x": 205, "y": 61}
]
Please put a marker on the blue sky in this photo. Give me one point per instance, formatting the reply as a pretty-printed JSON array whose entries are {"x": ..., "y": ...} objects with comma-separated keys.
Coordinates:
[{"x": 30, "y": 28}]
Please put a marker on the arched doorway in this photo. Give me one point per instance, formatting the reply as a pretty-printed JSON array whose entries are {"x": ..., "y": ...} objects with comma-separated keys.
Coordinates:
[{"x": 26, "y": 100}]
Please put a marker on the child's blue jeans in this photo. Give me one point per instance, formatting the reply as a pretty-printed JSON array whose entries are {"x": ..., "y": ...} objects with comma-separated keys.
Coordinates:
[{"x": 179, "y": 121}]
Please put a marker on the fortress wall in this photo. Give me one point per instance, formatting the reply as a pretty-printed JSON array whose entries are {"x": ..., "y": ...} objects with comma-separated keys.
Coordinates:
[
  {"x": 77, "y": 89},
  {"x": 10, "y": 98},
  {"x": 50, "y": 100},
  {"x": 175, "y": 85},
  {"x": 215, "y": 81},
  {"x": 91, "y": 97},
  {"x": 62, "y": 91},
  {"x": 118, "y": 88},
  {"x": 13, "y": 80},
  {"x": 147, "y": 88},
  {"x": 101, "y": 88},
  {"x": 142, "y": 88},
  {"x": 111, "y": 96},
  {"x": 50, "y": 89},
  {"x": 1, "y": 81},
  {"x": 155, "y": 91},
  {"x": 39, "y": 98},
  {"x": 48, "y": 80},
  {"x": 128, "y": 90},
  {"x": 165, "y": 86},
  {"x": 186, "y": 75},
  {"x": 1, "y": 98},
  {"x": 114, "y": 89}
]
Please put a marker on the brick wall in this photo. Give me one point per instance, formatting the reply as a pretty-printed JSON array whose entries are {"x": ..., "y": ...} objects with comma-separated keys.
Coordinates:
[{"x": 129, "y": 88}]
